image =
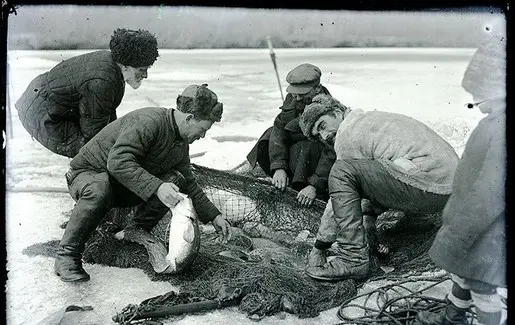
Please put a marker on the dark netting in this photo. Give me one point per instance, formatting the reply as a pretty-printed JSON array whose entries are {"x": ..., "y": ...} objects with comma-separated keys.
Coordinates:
[{"x": 266, "y": 260}]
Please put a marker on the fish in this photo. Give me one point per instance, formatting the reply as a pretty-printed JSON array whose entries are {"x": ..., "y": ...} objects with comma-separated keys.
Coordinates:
[{"x": 183, "y": 237}]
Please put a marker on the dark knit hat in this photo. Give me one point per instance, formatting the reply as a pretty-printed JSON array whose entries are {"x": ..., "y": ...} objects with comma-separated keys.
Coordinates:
[
  {"x": 201, "y": 102},
  {"x": 321, "y": 105},
  {"x": 485, "y": 76},
  {"x": 133, "y": 48},
  {"x": 303, "y": 78}
]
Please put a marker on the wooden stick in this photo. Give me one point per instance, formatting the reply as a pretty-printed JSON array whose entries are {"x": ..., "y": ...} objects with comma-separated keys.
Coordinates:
[{"x": 272, "y": 56}]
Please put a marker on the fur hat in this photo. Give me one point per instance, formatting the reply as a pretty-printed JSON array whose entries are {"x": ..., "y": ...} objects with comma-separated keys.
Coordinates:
[
  {"x": 133, "y": 48},
  {"x": 485, "y": 76},
  {"x": 201, "y": 102},
  {"x": 320, "y": 105}
]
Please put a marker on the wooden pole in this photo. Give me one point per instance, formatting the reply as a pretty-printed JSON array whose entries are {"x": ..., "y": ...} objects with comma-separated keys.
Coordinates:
[{"x": 272, "y": 56}]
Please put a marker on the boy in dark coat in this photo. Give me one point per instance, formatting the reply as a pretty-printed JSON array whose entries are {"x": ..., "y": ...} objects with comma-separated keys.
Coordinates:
[
  {"x": 66, "y": 106},
  {"x": 284, "y": 153},
  {"x": 471, "y": 244},
  {"x": 142, "y": 157}
]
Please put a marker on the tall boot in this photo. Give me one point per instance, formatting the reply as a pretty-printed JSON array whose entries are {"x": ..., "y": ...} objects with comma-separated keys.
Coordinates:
[
  {"x": 450, "y": 315},
  {"x": 352, "y": 253},
  {"x": 68, "y": 263}
]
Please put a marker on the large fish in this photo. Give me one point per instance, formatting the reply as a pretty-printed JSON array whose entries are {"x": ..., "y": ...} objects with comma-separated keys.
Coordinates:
[
  {"x": 183, "y": 238},
  {"x": 182, "y": 232}
]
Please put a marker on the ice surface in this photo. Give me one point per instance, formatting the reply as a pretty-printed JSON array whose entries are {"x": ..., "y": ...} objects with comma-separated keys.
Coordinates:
[{"x": 422, "y": 83}]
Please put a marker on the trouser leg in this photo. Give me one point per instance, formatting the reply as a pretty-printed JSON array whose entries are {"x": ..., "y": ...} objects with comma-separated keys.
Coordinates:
[
  {"x": 458, "y": 303},
  {"x": 487, "y": 302}
]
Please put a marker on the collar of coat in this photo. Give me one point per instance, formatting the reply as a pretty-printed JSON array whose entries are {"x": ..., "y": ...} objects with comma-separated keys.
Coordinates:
[{"x": 175, "y": 127}]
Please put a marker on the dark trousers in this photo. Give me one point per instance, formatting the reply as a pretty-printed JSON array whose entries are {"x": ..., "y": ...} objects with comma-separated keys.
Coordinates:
[
  {"x": 95, "y": 194},
  {"x": 303, "y": 161},
  {"x": 353, "y": 180}
]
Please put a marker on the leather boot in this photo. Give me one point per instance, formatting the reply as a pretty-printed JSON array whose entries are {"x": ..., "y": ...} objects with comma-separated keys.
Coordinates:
[
  {"x": 68, "y": 263},
  {"x": 450, "y": 315},
  {"x": 352, "y": 253}
]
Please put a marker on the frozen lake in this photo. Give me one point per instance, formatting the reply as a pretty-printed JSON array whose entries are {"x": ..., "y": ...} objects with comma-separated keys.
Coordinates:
[{"x": 424, "y": 83}]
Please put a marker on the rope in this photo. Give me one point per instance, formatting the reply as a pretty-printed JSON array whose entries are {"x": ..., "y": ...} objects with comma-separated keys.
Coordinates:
[{"x": 395, "y": 305}]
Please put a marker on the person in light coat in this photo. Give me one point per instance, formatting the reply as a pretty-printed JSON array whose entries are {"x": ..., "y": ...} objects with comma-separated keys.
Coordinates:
[
  {"x": 393, "y": 160},
  {"x": 471, "y": 243}
]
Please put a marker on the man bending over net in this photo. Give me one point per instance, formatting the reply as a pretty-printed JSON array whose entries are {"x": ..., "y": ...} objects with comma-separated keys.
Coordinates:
[
  {"x": 391, "y": 159},
  {"x": 131, "y": 161}
]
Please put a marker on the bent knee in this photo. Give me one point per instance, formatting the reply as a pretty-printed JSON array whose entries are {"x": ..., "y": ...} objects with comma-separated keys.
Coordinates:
[
  {"x": 98, "y": 188},
  {"x": 343, "y": 171}
]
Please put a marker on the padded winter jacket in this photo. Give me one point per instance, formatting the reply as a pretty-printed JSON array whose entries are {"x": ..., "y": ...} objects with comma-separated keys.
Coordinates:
[
  {"x": 286, "y": 132},
  {"x": 66, "y": 106},
  {"x": 139, "y": 149}
]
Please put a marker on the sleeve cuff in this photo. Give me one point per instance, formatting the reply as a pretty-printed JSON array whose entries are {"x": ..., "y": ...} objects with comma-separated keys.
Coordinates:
[
  {"x": 278, "y": 165},
  {"x": 322, "y": 245},
  {"x": 151, "y": 189},
  {"x": 318, "y": 183}
]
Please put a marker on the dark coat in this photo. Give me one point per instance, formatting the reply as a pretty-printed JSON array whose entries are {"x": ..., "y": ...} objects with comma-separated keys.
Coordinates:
[
  {"x": 66, "y": 106},
  {"x": 274, "y": 148},
  {"x": 139, "y": 149},
  {"x": 472, "y": 240}
]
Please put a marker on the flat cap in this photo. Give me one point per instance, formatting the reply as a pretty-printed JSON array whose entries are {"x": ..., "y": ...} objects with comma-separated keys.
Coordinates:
[{"x": 303, "y": 78}]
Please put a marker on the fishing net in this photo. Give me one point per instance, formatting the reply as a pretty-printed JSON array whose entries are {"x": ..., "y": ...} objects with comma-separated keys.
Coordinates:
[{"x": 267, "y": 258}]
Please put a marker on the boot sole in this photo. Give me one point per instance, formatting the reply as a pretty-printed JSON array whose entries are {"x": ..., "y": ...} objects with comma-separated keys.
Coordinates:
[
  {"x": 334, "y": 279},
  {"x": 68, "y": 280}
]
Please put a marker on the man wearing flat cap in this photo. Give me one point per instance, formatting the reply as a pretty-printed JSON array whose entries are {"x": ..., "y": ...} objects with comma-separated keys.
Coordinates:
[
  {"x": 284, "y": 153},
  {"x": 391, "y": 159},
  {"x": 141, "y": 159},
  {"x": 65, "y": 107}
]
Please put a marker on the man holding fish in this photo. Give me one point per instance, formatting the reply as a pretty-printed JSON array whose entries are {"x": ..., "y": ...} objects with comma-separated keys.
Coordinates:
[{"x": 142, "y": 157}]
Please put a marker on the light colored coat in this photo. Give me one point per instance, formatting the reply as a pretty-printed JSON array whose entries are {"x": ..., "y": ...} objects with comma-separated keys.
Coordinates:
[
  {"x": 472, "y": 240},
  {"x": 410, "y": 151}
]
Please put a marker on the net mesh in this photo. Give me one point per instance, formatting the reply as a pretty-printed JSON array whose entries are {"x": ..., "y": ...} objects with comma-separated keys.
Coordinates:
[{"x": 269, "y": 272}]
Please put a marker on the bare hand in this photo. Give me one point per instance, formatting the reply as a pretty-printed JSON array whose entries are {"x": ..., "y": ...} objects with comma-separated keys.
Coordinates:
[
  {"x": 316, "y": 257},
  {"x": 307, "y": 195},
  {"x": 221, "y": 225},
  {"x": 280, "y": 179},
  {"x": 168, "y": 193}
]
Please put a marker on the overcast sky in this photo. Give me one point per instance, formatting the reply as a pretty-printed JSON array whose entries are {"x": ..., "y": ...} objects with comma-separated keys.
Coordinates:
[{"x": 174, "y": 26}]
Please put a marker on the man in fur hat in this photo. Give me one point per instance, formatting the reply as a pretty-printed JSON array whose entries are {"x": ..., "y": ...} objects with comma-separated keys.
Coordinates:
[
  {"x": 284, "y": 153},
  {"x": 66, "y": 106},
  {"x": 141, "y": 158},
  {"x": 471, "y": 244},
  {"x": 390, "y": 159}
]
